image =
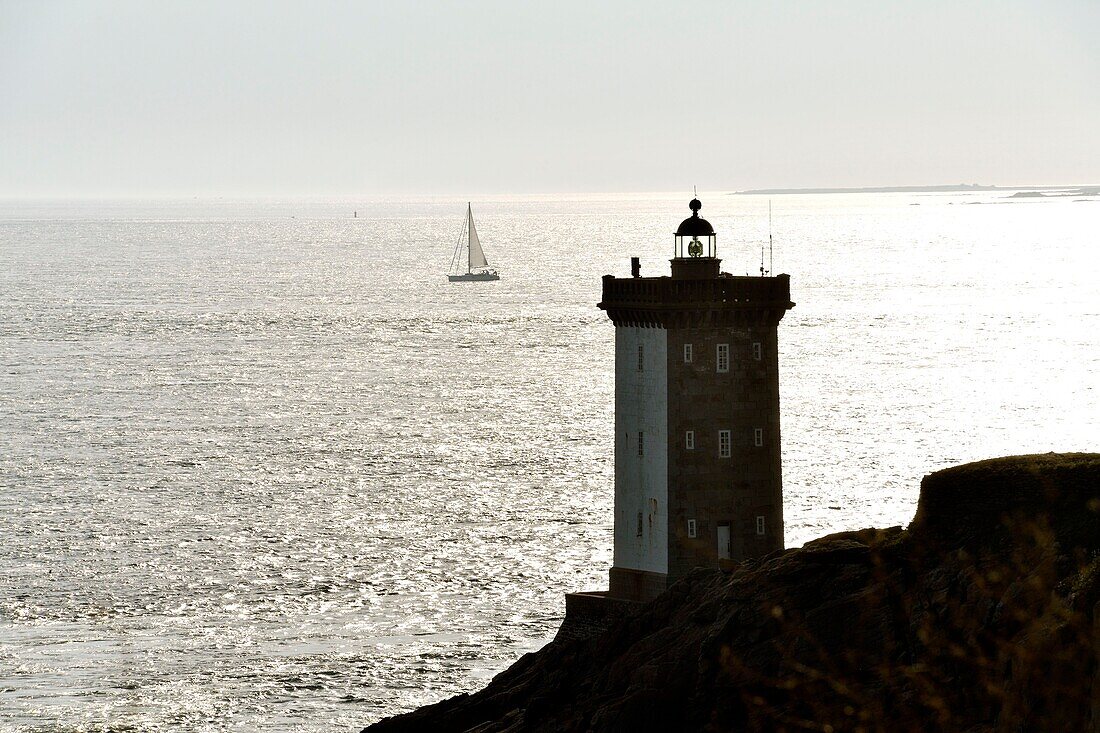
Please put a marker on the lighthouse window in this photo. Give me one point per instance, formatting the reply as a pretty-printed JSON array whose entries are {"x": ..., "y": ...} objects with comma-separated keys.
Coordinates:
[
  {"x": 687, "y": 353},
  {"x": 693, "y": 532},
  {"x": 689, "y": 440},
  {"x": 641, "y": 357},
  {"x": 723, "y": 357},
  {"x": 760, "y": 526},
  {"x": 639, "y": 524},
  {"x": 756, "y": 351},
  {"x": 641, "y": 443},
  {"x": 758, "y": 437},
  {"x": 723, "y": 444}
]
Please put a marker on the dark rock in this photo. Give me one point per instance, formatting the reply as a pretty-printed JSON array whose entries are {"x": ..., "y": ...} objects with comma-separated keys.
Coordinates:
[{"x": 982, "y": 616}]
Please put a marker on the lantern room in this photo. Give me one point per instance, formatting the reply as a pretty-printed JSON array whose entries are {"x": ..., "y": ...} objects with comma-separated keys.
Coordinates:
[
  {"x": 695, "y": 236},
  {"x": 695, "y": 247}
]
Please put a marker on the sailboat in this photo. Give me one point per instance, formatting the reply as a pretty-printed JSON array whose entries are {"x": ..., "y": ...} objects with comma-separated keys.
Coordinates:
[{"x": 477, "y": 267}]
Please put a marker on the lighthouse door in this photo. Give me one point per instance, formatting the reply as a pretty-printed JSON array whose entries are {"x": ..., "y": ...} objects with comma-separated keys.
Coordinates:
[{"x": 724, "y": 541}]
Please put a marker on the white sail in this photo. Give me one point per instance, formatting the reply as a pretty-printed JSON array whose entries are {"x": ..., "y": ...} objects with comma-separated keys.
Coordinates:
[
  {"x": 477, "y": 267},
  {"x": 477, "y": 255}
]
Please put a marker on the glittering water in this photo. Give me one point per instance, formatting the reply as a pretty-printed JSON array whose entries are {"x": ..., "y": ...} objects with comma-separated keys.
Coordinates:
[{"x": 263, "y": 468}]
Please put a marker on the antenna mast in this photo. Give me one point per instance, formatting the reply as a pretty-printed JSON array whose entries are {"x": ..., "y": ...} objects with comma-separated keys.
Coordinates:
[
  {"x": 764, "y": 272},
  {"x": 771, "y": 258}
]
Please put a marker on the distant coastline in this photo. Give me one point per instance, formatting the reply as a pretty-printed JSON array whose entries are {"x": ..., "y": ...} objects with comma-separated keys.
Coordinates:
[{"x": 950, "y": 188}]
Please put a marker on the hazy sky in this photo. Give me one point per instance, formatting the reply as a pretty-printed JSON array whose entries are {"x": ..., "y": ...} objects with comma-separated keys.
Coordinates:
[{"x": 159, "y": 98}]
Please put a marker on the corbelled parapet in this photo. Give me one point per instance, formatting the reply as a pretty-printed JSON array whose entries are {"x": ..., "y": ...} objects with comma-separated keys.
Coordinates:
[{"x": 669, "y": 302}]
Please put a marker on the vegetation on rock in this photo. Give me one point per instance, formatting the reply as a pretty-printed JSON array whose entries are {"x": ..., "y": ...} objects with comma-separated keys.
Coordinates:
[{"x": 981, "y": 616}]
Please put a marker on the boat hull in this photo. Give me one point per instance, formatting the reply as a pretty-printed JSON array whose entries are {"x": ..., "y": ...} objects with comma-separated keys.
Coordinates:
[{"x": 467, "y": 277}]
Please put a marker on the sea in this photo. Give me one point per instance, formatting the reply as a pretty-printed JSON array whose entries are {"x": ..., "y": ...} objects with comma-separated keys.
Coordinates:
[{"x": 263, "y": 468}]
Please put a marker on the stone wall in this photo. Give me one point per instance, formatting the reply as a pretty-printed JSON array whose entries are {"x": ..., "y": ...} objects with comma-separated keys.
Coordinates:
[
  {"x": 704, "y": 486},
  {"x": 637, "y": 585},
  {"x": 590, "y": 614}
]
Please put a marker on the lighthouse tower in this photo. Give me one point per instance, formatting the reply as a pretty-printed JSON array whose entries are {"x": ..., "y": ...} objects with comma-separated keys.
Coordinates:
[{"x": 698, "y": 467}]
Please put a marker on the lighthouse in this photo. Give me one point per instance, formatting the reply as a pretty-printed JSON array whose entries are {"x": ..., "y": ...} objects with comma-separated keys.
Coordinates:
[{"x": 698, "y": 462}]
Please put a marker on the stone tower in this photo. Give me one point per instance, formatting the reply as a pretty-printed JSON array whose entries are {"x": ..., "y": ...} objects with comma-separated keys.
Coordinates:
[{"x": 698, "y": 467}]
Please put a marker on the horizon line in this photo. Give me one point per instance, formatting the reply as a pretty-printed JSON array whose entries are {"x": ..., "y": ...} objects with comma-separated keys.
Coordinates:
[{"x": 777, "y": 191}]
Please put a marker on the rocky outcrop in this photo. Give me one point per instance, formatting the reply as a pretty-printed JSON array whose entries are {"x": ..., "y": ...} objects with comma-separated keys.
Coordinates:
[{"x": 981, "y": 616}]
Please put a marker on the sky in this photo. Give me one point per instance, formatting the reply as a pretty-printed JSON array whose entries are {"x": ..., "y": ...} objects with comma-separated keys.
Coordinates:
[{"x": 116, "y": 98}]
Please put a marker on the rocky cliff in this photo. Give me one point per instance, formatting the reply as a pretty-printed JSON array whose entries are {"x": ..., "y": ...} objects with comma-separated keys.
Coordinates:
[{"x": 981, "y": 616}]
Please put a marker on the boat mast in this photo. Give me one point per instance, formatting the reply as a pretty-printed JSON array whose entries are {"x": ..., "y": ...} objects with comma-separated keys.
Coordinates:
[{"x": 469, "y": 238}]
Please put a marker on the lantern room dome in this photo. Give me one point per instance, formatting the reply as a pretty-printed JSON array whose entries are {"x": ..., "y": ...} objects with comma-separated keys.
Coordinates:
[{"x": 694, "y": 226}]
